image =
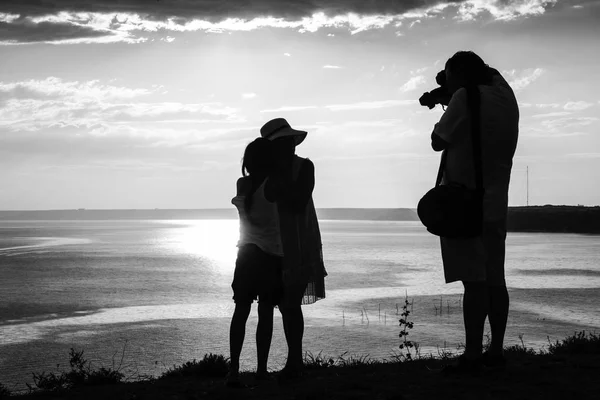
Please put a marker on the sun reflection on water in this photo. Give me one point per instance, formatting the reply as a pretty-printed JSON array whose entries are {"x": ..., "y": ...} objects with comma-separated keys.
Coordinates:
[{"x": 213, "y": 239}]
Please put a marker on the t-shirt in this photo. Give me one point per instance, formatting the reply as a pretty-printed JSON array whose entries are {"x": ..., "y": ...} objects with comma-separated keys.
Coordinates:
[
  {"x": 261, "y": 225},
  {"x": 499, "y": 134}
]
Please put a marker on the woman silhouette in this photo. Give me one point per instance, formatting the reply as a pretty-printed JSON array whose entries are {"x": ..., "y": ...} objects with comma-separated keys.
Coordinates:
[
  {"x": 258, "y": 266},
  {"x": 303, "y": 269}
]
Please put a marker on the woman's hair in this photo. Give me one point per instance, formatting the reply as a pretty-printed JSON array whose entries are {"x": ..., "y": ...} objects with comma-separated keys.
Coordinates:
[
  {"x": 471, "y": 67},
  {"x": 259, "y": 158},
  {"x": 258, "y": 162}
]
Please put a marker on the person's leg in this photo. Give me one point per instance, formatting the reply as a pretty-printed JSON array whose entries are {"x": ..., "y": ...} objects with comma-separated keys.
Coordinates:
[
  {"x": 293, "y": 326},
  {"x": 498, "y": 316},
  {"x": 264, "y": 334},
  {"x": 495, "y": 244},
  {"x": 475, "y": 309},
  {"x": 237, "y": 331}
]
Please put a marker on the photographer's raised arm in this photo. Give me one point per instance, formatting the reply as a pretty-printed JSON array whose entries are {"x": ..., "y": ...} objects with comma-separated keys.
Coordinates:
[{"x": 453, "y": 124}]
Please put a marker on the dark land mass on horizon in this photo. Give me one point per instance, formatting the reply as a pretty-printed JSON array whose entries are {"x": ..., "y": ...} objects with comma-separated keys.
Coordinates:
[{"x": 547, "y": 218}]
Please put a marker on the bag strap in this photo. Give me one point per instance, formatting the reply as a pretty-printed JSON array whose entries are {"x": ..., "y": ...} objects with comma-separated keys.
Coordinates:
[
  {"x": 473, "y": 101},
  {"x": 440, "y": 174}
]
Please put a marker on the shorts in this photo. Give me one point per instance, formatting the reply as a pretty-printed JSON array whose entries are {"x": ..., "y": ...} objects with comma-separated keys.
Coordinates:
[
  {"x": 478, "y": 259},
  {"x": 257, "y": 276}
]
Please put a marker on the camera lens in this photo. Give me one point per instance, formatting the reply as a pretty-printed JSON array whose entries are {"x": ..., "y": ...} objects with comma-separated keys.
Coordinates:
[{"x": 440, "y": 78}]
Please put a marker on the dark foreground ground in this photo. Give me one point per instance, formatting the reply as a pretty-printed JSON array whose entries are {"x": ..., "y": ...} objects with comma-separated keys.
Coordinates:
[{"x": 527, "y": 376}]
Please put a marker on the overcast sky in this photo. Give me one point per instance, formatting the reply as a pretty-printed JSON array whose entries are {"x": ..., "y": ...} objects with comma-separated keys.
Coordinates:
[{"x": 149, "y": 104}]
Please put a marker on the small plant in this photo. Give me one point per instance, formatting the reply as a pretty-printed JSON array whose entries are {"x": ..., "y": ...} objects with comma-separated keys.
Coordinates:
[
  {"x": 212, "y": 365},
  {"x": 354, "y": 361},
  {"x": 443, "y": 353},
  {"x": 520, "y": 348},
  {"x": 579, "y": 343},
  {"x": 81, "y": 374},
  {"x": 312, "y": 362},
  {"x": 4, "y": 392},
  {"x": 405, "y": 325}
]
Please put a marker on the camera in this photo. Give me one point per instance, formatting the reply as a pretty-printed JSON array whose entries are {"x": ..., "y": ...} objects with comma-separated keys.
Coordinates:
[{"x": 438, "y": 95}]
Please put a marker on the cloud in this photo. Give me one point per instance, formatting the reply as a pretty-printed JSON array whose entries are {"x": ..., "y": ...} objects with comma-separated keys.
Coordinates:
[
  {"x": 53, "y": 103},
  {"x": 390, "y": 156},
  {"x": 370, "y": 105},
  {"x": 547, "y": 105},
  {"x": 553, "y": 114},
  {"x": 562, "y": 125},
  {"x": 519, "y": 80},
  {"x": 53, "y": 87},
  {"x": 88, "y": 21},
  {"x": 248, "y": 95},
  {"x": 332, "y": 67},
  {"x": 577, "y": 105},
  {"x": 413, "y": 83},
  {"x": 502, "y": 10},
  {"x": 583, "y": 155},
  {"x": 24, "y": 31},
  {"x": 288, "y": 109},
  {"x": 214, "y": 10}
]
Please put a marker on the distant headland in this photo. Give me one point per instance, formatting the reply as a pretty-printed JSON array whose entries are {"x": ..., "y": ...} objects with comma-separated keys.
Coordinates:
[{"x": 547, "y": 218}]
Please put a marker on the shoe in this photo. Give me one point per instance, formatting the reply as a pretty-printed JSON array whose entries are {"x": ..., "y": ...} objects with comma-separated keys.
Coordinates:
[
  {"x": 262, "y": 376},
  {"x": 464, "y": 365},
  {"x": 493, "y": 360},
  {"x": 233, "y": 381},
  {"x": 288, "y": 374}
]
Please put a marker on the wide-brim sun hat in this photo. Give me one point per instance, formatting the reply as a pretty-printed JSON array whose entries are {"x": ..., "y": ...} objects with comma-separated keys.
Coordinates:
[{"x": 279, "y": 127}]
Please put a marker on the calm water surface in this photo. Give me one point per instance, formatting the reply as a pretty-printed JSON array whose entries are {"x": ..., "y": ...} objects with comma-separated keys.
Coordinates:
[{"x": 159, "y": 292}]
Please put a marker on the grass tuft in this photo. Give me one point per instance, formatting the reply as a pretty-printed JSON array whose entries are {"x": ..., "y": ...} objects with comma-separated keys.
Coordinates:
[
  {"x": 81, "y": 374},
  {"x": 212, "y": 365},
  {"x": 520, "y": 349},
  {"x": 315, "y": 362},
  {"x": 579, "y": 343}
]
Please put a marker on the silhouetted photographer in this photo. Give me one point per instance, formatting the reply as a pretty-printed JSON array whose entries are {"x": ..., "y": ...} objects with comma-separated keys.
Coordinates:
[{"x": 468, "y": 206}]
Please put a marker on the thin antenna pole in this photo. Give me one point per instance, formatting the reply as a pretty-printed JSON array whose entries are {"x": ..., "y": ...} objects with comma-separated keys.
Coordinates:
[{"x": 528, "y": 185}]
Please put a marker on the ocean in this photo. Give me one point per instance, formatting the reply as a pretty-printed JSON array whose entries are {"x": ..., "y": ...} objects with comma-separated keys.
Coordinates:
[{"x": 144, "y": 295}]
